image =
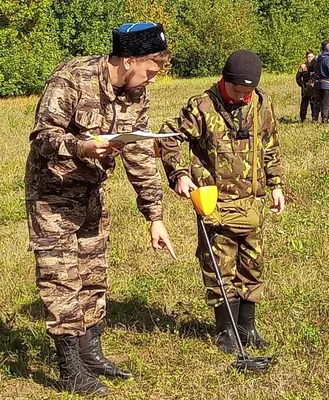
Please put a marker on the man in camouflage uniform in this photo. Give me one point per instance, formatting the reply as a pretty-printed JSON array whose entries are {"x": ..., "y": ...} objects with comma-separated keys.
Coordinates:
[
  {"x": 219, "y": 126},
  {"x": 67, "y": 216},
  {"x": 307, "y": 80}
]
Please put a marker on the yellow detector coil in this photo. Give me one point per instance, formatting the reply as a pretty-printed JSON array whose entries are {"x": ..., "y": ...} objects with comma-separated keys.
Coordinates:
[{"x": 204, "y": 199}]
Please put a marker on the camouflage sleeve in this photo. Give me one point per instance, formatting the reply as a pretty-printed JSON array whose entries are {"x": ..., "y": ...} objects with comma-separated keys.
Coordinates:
[
  {"x": 50, "y": 136},
  {"x": 140, "y": 165},
  {"x": 190, "y": 123},
  {"x": 273, "y": 172}
]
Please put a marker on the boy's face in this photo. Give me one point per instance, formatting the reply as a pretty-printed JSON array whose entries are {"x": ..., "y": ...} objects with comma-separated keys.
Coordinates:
[{"x": 238, "y": 92}]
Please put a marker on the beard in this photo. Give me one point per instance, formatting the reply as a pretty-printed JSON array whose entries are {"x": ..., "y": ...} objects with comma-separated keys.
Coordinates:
[
  {"x": 132, "y": 93},
  {"x": 135, "y": 94}
]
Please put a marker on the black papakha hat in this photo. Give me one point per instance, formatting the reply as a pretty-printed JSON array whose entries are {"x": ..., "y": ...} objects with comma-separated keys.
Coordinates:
[
  {"x": 243, "y": 67},
  {"x": 138, "y": 39}
]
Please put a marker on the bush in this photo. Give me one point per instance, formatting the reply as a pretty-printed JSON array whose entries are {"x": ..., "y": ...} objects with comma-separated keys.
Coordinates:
[
  {"x": 208, "y": 31},
  {"x": 287, "y": 29},
  {"x": 84, "y": 27},
  {"x": 35, "y": 35},
  {"x": 28, "y": 46}
]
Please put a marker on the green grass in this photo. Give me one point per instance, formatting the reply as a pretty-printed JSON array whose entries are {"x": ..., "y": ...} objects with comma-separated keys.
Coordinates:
[{"x": 158, "y": 323}]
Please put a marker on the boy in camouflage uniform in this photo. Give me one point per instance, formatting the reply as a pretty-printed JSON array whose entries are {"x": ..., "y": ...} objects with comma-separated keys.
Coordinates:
[
  {"x": 307, "y": 80},
  {"x": 67, "y": 216},
  {"x": 219, "y": 126}
]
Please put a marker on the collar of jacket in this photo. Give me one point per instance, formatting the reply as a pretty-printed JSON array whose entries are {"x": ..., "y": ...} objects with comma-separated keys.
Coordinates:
[
  {"x": 104, "y": 77},
  {"x": 223, "y": 108},
  {"x": 227, "y": 111}
]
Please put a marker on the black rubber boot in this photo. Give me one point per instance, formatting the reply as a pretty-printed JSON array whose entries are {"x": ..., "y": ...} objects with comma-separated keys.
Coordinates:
[
  {"x": 247, "y": 330},
  {"x": 74, "y": 377},
  {"x": 226, "y": 339},
  {"x": 92, "y": 356}
]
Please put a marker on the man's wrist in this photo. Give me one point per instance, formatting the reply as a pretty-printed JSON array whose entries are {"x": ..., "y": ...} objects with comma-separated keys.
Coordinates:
[
  {"x": 80, "y": 149},
  {"x": 180, "y": 175},
  {"x": 159, "y": 221}
]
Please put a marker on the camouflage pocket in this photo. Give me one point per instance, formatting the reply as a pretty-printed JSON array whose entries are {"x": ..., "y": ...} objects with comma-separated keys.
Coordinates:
[
  {"x": 52, "y": 219},
  {"x": 88, "y": 121},
  {"x": 240, "y": 217},
  {"x": 43, "y": 243}
]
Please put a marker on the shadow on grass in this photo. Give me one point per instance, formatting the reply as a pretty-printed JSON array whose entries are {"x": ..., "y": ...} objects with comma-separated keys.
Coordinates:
[
  {"x": 287, "y": 120},
  {"x": 26, "y": 353},
  {"x": 136, "y": 314}
]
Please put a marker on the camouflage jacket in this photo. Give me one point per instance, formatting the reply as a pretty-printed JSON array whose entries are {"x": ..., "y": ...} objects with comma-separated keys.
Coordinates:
[
  {"x": 79, "y": 99},
  {"x": 217, "y": 155}
]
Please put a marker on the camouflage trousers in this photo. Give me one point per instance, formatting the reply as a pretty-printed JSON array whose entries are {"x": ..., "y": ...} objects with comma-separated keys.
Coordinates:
[
  {"x": 69, "y": 239},
  {"x": 240, "y": 260}
]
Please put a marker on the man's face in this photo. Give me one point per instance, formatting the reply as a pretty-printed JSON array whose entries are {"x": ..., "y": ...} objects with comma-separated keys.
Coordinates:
[
  {"x": 237, "y": 92},
  {"x": 310, "y": 57},
  {"x": 141, "y": 73}
]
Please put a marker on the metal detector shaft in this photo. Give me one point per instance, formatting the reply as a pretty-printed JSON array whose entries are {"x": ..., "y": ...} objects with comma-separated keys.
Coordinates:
[{"x": 221, "y": 283}]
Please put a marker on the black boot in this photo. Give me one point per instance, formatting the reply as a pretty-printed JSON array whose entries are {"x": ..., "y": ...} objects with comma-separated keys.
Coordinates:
[
  {"x": 226, "y": 339},
  {"x": 92, "y": 356},
  {"x": 74, "y": 377},
  {"x": 247, "y": 330}
]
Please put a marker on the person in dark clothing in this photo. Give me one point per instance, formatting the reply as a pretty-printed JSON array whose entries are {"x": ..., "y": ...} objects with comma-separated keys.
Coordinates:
[
  {"x": 307, "y": 80},
  {"x": 323, "y": 71}
]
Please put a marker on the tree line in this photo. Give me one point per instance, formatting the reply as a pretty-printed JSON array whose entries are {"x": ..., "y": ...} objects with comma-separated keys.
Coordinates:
[{"x": 36, "y": 35}]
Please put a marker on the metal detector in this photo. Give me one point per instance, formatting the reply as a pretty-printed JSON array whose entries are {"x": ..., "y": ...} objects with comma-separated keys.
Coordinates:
[
  {"x": 204, "y": 200},
  {"x": 244, "y": 361}
]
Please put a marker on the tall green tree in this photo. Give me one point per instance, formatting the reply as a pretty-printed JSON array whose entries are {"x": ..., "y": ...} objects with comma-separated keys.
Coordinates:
[
  {"x": 28, "y": 45},
  {"x": 287, "y": 28},
  {"x": 208, "y": 31},
  {"x": 84, "y": 27}
]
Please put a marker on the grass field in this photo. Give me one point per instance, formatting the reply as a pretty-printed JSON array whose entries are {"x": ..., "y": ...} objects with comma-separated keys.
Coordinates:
[{"x": 158, "y": 323}]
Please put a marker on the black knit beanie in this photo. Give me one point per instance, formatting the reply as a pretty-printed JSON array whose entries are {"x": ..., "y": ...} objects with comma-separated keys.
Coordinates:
[
  {"x": 138, "y": 39},
  {"x": 243, "y": 67}
]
